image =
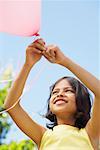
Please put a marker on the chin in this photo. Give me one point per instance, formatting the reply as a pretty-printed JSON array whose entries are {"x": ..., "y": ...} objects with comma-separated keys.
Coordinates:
[{"x": 62, "y": 111}]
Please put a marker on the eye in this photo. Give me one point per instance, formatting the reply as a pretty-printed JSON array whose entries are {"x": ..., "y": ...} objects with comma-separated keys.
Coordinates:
[
  {"x": 54, "y": 92},
  {"x": 69, "y": 91}
]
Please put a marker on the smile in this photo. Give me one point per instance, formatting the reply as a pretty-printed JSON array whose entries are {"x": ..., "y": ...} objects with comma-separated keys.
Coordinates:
[{"x": 60, "y": 101}]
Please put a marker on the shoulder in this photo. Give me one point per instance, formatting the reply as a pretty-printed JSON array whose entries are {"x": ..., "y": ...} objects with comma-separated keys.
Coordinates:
[
  {"x": 46, "y": 133},
  {"x": 45, "y": 136}
]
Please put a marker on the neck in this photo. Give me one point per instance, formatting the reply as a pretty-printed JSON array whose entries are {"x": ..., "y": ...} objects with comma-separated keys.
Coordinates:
[{"x": 67, "y": 121}]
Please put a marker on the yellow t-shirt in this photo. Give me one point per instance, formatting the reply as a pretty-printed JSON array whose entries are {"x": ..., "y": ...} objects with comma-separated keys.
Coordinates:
[{"x": 65, "y": 137}]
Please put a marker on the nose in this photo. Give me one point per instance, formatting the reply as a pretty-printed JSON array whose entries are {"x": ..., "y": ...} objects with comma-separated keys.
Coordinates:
[{"x": 61, "y": 93}]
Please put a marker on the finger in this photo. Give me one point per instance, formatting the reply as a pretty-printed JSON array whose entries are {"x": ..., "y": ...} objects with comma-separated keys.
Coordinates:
[
  {"x": 38, "y": 46},
  {"x": 49, "y": 58},
  {"x": 48, "y": 52},
  {"x": 46, "y": 55},
  {"x": 40, "y": 41},
  {"x": 34, "y": 50},
  {"x": 52, "y": 52},
  {"x": 51, "y": 46},
  {"x": 37, "y": 51}
]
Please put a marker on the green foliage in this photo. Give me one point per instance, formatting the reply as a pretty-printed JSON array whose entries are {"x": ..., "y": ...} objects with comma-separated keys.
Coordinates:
[
  {"x": 3, "y": 147},
  {"x": 6, "y": 75},
  {"x": 4, "y": 124},
  {"x": 4, "y": 120},
  {"x": 23, "y": 145},
  {"x": 3, "y": 93}
]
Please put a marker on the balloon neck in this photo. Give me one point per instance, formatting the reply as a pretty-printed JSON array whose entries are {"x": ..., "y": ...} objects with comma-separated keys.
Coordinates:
[{"x": 37, "y": 34}]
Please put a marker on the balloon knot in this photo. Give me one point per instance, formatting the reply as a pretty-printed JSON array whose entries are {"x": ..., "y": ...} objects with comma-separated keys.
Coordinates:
[{"x": 37, "y": 34}]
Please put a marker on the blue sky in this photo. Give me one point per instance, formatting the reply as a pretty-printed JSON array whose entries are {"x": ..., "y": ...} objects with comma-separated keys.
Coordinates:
[{"x": 72, "y": 25}]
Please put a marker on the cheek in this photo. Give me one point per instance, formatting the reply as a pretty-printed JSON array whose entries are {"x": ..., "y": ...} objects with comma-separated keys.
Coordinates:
[
  {"x": 51, "y": 100},
  {"x": 73, "y": 98},
  {"x": 73, "y": 104},
  {"x": 51, "y": 103}
]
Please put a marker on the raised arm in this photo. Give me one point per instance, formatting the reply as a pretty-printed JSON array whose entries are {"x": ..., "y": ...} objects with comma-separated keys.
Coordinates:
[
  {"x": 93, "y": 125},
  {"x": 21, "y": 118},
  {"x": 54, "y": 55}
]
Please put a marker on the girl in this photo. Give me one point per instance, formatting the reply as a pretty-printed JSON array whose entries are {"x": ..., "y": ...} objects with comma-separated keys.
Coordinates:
[{"x": 69, "y": 104}]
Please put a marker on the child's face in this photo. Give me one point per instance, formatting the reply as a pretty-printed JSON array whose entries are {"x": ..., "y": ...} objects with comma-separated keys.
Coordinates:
[{"x": 62, "y": 101}]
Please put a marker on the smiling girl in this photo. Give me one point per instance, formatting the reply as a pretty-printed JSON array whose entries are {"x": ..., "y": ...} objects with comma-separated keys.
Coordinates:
[{"x": 69, "y": 105}]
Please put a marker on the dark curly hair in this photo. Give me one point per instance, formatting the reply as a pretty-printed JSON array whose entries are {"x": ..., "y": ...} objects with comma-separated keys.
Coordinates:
[{"x": 83, "y": 104}]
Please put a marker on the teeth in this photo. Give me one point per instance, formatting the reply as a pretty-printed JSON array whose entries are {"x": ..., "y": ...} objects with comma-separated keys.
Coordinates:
[{"x": 60, "y": 100}]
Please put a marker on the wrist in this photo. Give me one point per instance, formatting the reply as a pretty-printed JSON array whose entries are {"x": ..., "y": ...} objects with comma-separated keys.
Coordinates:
[
  {"x": 65, "y": 61},
  {"x": 28, "y": 66}
]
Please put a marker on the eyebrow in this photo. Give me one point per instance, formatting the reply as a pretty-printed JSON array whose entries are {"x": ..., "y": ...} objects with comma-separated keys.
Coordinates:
[{"x": 63, "y": 88}]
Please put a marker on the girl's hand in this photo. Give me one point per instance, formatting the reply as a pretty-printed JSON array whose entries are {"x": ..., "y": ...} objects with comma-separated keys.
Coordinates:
[
  {"x": 34, "y": 52},
  {"x": 54, "y": 54}
]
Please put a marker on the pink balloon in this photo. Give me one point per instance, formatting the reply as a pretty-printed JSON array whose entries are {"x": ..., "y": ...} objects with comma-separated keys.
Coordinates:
[{"x": 20, "y": 17}]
